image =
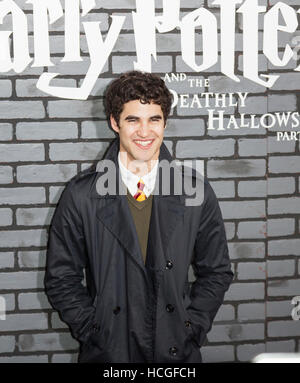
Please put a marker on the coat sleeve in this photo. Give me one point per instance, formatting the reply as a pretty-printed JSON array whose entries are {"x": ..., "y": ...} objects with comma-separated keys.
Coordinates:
[
  {"x": 66, "y": 259},
  {"x": 211, "y": 265}
]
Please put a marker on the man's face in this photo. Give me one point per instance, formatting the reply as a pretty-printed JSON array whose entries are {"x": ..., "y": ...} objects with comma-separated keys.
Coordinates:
[{"x": 141, "y": 131}]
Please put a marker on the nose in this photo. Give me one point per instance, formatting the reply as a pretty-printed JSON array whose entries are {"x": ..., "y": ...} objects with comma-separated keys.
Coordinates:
[{"x": 143, "y": 129}]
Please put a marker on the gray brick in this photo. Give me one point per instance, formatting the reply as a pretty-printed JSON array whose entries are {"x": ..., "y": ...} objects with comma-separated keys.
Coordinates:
[
  {"x": 6, "y": 175},
  {"x": 284, "y": 205},
  {"x": 284, "y": 247},
  {"x": 281, "y": 346},
  {"x": 181, "y": 66},
  {"x": 22, "y": 238},
  {"x": 281, "y": 226},
  {"x": 56, "y": 322},
  {"x": 96, "y": 129},
  {"x": 282, "y": 103},
  {"x": 230, "y": 230},
  {"x": 211, "y": 5},
  {"x": 121, "y": 64},
  {"x": 46, "y": 342},
  {"x": 22, "y": 280},
  {"x": 33, "y": 301},
  {"x": 216, "y": 354},
  {"x": 46, "y": 173},
  {"x": 204, "y": 148},
  {"x": 21, "y": 110},
  {"x": 55, "y": 193},
  {"x": 246, "y": 352},
  {"x": 19, "y": 322},
  {"x": 5, "y": 132},
  {"x": 73, "y": 68},
  {"x": 275, "y": 146},
  {"x": 226, "y": 312},
  {"x": 255, "y": 105},
  {"x": 285, "y": 328},
  {"x": 287, "y": 81},
  {"x": 7, "y": 344},
  {"x": 64, "y": 358},
  {"x": 279, "y": 308},
  {"x": 9, "y": 302},
  {"x": 239, "y": 209},
  {"x": 225, "y": 84},
  {"x": 290, "y": 164},
  {"x": 76, "y": 109},
  {"x": 34, "y": 216},
  {"x": 282, "y": 185},
  {"x": 244, "y": 250},
  {"x": 21, "y": 152},
  {"x": 5, "y": 217},
  {"x": 185, "y": 128},
  {"x": 77, "y": 151},
  {"x": 25, "y": 359},
  {"x": 32, "y": 259},
  {"x": 223, "y": 189},
  {"x": 252, "y": 188},
  {"x": 236, "y": 332},
  {"x": 100, "y": 86},
  {"x": 27, "y": 88},
  {"x": 6, "y": 259},
  {"x": 26, "y": 195},
  {"x": 5, "y": 88},
  {"x": 251, "y": 311},
  {"x": 262, "y": 63},
  {"x": 251, "y": 270},
  {"x": 57, "y": 43},
  {"x": 252, "y": 148},
  {"x": 46, "y": 130},
  {"x": 236, "y": 168},
  {"x": 245, "y": 291},
  {"x": 284, "y": 287},
  {"x": 291, "y": 2},
  {"x": 251, "y": 230}
]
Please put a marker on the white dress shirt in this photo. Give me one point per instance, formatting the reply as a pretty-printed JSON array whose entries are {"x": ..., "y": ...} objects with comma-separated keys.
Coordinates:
[{"x": 131, "y": 180}]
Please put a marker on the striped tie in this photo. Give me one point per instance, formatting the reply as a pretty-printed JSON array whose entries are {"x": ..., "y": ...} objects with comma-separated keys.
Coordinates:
[{"x": 140, "y": 195}]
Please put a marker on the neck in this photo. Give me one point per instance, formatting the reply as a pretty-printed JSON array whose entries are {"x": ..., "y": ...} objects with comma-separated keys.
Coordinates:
[{"x": 137, "y": 167}]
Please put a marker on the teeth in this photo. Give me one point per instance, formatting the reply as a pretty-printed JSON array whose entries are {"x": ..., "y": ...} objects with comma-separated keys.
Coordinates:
[{"x": 144, "y": 143}]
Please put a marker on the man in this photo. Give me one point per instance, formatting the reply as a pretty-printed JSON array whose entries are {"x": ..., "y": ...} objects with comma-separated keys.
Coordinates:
[{"x": 136, "y": 247}]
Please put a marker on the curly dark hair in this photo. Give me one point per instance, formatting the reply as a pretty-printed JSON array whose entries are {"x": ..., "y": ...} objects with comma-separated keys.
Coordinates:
[{"x": 137, "y": 85}]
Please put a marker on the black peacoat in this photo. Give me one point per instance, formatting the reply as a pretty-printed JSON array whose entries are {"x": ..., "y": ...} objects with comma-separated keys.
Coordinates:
[{"x": 127, "y": 311}]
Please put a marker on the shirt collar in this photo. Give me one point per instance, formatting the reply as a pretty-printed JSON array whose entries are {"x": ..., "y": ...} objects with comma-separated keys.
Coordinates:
[{"x": 130, "y": 179}]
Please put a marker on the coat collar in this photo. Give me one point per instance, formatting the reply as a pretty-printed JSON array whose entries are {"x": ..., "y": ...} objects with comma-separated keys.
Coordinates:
[{"x": 167, "y": 213}]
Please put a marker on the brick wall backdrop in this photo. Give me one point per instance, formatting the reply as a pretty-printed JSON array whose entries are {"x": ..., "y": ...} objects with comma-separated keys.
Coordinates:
[{"x": 45, "y": 141}]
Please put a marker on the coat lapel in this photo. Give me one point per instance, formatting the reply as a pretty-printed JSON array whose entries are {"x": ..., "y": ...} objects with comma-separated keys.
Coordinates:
[{"x": 167, "y": 212}]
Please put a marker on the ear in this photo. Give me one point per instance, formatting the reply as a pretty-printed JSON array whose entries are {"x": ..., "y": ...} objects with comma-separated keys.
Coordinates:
[{"x": 114, "y": 124}]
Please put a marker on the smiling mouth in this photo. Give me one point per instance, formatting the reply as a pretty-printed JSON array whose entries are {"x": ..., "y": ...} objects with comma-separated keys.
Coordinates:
[{"x": 144, "y": 144}]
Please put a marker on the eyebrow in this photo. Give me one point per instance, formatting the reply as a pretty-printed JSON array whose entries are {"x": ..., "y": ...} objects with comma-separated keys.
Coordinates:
[{"x": 130, "y": 117}]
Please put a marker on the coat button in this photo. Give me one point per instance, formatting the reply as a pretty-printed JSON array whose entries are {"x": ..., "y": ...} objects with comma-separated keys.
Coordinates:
[
  {"x": 169, "y": 265},
  {"x": 116, "y": 310},
  {"x": 96, "y": 328},
  {"x": 188, "y": 323},
  {"x": 173, "y": 350},
  {"x": 169, "y": 308}
]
